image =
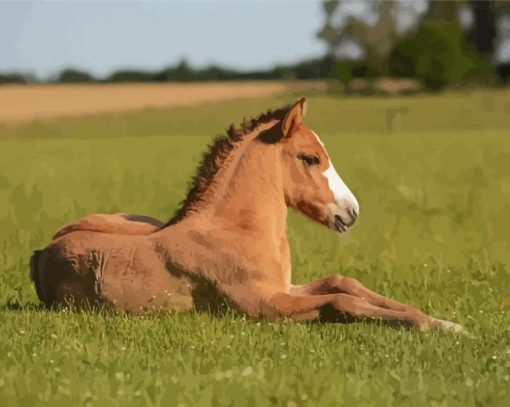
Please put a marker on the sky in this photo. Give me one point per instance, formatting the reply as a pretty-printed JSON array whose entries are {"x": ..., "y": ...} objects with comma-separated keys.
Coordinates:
[{"x": 43, "y": 37}]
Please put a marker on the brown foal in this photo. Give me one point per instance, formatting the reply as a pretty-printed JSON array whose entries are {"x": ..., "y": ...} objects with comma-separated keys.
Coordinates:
[{"x": 228, "y": 240}]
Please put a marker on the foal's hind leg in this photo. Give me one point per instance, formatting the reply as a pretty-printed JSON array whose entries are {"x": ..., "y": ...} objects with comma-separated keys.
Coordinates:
[{"x": 339, "y": 284}]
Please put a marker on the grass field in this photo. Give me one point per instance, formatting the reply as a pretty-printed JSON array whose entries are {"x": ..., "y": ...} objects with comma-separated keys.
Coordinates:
[{"x": 433, "y": 231}]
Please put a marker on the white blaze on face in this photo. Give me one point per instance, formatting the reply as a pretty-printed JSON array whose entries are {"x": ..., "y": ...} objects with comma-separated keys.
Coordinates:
[{"x": 344, "y": 198}]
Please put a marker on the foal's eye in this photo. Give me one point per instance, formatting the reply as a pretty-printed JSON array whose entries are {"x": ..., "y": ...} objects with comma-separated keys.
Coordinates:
[{"x": 309, "y": 160}]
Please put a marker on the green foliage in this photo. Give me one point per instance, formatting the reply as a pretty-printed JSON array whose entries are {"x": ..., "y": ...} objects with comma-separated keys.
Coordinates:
[
  {"x": 504, "y": 73},
  {"x": 319, "y": 68},
  {"x": 436, "y": 54},
  {"x": 433, "y": 231},
  {"x": 130, "y": 76},
  {"x": 11, "y": 78},
  {"x": 311, "y": 69},
  {"x": 329, "y": 33},
  {"x": 74, "y": 76},
  {"x": 344, "y": 74}
]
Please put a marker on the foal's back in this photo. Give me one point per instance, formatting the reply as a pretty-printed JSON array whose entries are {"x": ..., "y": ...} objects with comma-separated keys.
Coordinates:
[{"x": 118, "y": 223}]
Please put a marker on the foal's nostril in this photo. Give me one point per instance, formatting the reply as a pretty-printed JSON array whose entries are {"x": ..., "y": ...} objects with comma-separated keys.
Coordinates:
[
  {"x": 343, "y": 224},
  {"x": 352, "y": 217},
  {"x": 351, "y": 222},
  {"x": 339, "y": 224},
  {"x": 346, "y": 219},
  {"x": 353, "y": 214}
]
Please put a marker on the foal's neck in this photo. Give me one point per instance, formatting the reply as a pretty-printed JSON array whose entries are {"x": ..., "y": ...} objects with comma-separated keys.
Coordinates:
[
  {"x": 246, "y": 200},
  {"x": 252, "y": 198},
  {"x": 246, "y": 194}
]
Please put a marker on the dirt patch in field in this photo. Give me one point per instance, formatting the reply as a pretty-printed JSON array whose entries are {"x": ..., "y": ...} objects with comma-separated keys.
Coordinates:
[{"x": 29, "y": 102}]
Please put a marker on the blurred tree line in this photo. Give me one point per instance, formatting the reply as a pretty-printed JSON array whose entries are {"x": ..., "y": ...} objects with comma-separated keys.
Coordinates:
[
  {"x": 439, "y": 43},
  {"x": 319, "y": 68}
]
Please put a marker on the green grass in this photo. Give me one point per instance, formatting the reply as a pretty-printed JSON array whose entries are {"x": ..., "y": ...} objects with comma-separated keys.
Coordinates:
[{"x": 433, "y": 231}]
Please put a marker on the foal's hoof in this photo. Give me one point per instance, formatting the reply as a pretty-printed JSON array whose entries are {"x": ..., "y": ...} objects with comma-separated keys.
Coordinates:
[{"x": 450, "y": 326}]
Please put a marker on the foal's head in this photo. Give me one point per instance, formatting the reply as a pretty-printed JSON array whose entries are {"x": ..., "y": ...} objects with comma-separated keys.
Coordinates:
[{"x": 311, "y": 183}]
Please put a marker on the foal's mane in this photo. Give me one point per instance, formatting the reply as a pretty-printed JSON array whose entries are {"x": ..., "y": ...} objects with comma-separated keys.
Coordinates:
[{"x": 217, "y": 154}]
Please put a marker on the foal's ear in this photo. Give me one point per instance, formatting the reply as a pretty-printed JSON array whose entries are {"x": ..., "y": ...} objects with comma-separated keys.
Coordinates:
[{"x": 294, "y": 117}]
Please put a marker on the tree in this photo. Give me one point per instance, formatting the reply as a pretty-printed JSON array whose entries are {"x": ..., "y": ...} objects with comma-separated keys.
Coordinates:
[
  {"x": 376, "y": 40},
  {"x": 328, "y": 33},
  {"x": 130, "y": 76},
  {"x": 443, "y": 10},
  {"x": 74, "y": 76},
  {"x": 483, "y": 32},
  {"x": 10, "y": 78},
  {"x": 436, "y": 54},
  {"x": 373, "y": 33}
]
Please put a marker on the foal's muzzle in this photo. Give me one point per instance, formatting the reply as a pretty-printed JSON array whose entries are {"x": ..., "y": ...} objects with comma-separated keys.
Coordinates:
[{"x": 344, "y": 221}]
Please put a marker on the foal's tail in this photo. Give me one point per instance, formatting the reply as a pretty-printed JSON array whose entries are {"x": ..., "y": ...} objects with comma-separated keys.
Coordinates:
[{"x": 35, "y": 274}]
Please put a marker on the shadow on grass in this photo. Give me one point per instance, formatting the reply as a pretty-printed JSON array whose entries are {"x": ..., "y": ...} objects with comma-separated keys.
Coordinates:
[
  {"x": 16, "y": 306},
  {"x": 327, "y": 315}
]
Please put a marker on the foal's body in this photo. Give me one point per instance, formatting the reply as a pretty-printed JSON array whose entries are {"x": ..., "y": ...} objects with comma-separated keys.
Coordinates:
[
  {"x": 228, "y": 241},
  {"x": 209, "y": 246}
]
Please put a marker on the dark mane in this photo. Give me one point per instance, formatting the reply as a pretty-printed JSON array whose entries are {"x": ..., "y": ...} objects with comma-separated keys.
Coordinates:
[{"x": 216, "y": 155}]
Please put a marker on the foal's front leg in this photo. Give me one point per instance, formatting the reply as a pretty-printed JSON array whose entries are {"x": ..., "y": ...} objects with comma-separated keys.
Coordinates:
[
  {"x": 308, "y": 307},
  {"x": 339, "y": 284},
  {"x": 348, "y": 285}
]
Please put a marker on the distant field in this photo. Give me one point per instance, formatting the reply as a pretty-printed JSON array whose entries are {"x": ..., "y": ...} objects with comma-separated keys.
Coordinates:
[
  {"x": 31, "y": 102},
  {"x": 432, "y": 175}
]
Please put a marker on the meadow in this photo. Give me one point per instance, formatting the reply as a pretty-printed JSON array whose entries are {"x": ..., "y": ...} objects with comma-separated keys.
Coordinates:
[{"x": 432, "y": 175}]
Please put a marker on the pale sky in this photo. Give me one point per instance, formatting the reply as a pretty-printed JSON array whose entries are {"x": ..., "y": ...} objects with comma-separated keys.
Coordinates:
[{"x": 42, "y": 37}]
